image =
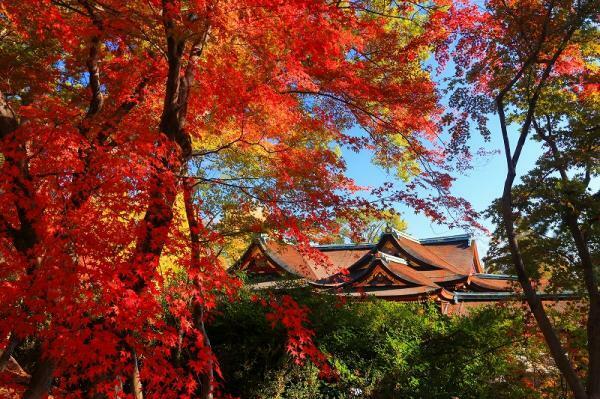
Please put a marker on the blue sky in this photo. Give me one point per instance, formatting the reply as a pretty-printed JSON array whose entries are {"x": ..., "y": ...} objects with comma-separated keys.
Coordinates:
[{"x": 480, "y": 186}]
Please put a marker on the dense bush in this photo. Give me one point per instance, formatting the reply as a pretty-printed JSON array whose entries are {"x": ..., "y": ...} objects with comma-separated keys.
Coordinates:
[{"x": 380, "y": 349}]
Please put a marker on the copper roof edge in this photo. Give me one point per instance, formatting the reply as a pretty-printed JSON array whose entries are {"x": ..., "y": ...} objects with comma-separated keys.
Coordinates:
[
  {"x": 494, "y": 296},
  {"x": 446, "y": 239},
  {"x": 350, "y": 246},
  {"x": 493, "y": 276}
]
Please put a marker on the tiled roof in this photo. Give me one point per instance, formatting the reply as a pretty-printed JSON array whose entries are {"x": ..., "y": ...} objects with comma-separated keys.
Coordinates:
[
  {"x": 447, "y": 261},
  {"x": 424, "y": 254},
  {"x": 398, "y": 267},
  {"x": 442, "y": 275},
  {"x": 313, "y": 265},
  {"x": 407, "y": 272},
  {"x": 346, "y": 258},
  {"x": 290, "y": 258},
  {"x": 489, "y": 284},
  {"x": 458, "y": 254}
]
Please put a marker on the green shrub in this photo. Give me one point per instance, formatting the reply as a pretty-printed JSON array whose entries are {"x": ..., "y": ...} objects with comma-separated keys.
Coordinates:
[{"x": 380, "y": 349}]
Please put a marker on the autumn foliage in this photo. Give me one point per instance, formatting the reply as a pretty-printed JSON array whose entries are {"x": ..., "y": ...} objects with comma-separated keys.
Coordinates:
[{"x": 136, "y": 137}]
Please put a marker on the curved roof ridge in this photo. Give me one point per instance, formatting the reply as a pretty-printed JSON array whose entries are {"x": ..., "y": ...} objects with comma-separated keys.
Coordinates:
[
  {"x": 313, "y": 263},
  {"x": 407, "y": 273},
  {"x": 439, "y": 261},
  {"x": 273, "y": 256}
]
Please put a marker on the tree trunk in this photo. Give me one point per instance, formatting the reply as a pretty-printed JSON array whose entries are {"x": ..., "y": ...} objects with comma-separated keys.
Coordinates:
[
  {"x": 593, "y": 321},
  {"x": 593, "y": 330},
  {"x": 13, "y": 343},
  {"x": 8, "y": 119},
  {"x": 533, "y": 300},
  {"x": 136, "y": 380},
  {"x": 535, "y": 304},
  {"x": 25, "y": 237},
  {"x": 40, "y": 380},
  {"x": 163, "y": 184},
  {"x": 207, "y": 378},
  {"x": 512, "y": 159}
]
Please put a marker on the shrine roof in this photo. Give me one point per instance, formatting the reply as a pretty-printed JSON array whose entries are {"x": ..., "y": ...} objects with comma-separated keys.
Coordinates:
[
  {"x": 398, "y": 262},
  {"x": 450, "y": 257},
  {"x": 310, "y": 263},
  {"x": 398, "y": 267},
  {"x": 490, "y": 284}
]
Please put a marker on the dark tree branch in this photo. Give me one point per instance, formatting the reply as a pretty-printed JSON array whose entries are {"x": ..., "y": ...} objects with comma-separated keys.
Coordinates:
[
  {"x": 533, "y": 299},
  {"x": 207, "y": 378},
  {"x": 97, "y": 98},
  {"x": 9, "y": 122}
]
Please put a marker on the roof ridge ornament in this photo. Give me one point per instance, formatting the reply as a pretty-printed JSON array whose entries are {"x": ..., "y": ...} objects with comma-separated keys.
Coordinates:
[
  {"x": 262, "y": 237},
  {"x": 388, "y": 228},
  {"x": 391, "y": 230}
]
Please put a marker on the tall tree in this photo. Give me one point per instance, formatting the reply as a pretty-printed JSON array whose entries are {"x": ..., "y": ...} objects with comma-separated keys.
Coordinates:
[
  {"x": 535, "y": 64},
  {"x": 132, "y": 132}
]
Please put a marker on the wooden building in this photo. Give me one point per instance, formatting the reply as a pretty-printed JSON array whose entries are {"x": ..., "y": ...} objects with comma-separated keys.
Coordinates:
[{"x": 398, "y": 267}]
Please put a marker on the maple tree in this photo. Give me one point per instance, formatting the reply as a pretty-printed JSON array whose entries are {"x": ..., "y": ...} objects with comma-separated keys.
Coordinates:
[
  {"x": 534, "y": 63},
  {"x": 135, "y": 136}
]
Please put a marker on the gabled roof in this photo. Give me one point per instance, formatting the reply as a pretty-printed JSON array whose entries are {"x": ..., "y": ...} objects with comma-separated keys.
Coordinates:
[
  {"x": 415, "y": 251},
  {"x": 460, "y": 253},
  {"x": 313, "y": 266},
  {"x": 398, "y": 272},
  {"x": 396, "y": 266},
  {"x": 443, "y": 259}
]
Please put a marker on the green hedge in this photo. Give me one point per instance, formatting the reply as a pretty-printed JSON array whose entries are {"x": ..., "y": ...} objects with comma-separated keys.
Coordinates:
[{"x": 380, "y": 349}]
